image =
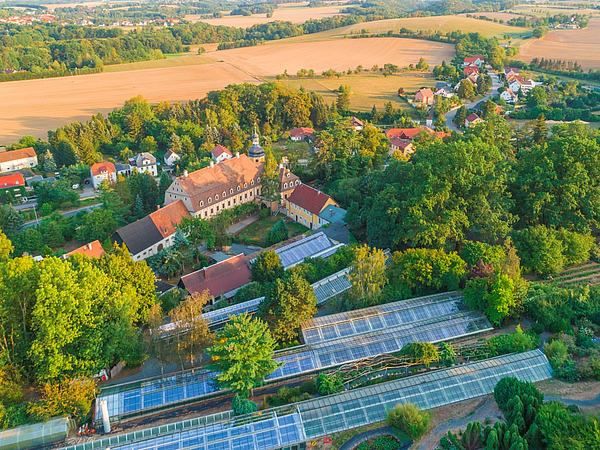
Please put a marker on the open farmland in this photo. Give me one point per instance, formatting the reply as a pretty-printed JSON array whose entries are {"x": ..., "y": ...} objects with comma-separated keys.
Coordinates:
[
  {"x": 368, "y": 89},
  {"x": 444, "y": 24},
  {"x": 587, "y": 273},
  {"x": 551, "y": 9},
  {"x": 340, "y": 54},
  {"x": 37, "y": 106},
  {"x": 575, "y": 45},
  {"x": 295, "y": 14}
]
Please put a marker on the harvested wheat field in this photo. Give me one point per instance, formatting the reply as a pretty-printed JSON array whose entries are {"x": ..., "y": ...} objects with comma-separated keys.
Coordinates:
[
  {"x": 444, "y": 24},
  {"x": 575, "y": 45},
  {"x": 340, "y": 54},
  {"x": 506, "y": 16},
  {"x": 37, "y": 106},
  {"x": 294, "y": 14}
]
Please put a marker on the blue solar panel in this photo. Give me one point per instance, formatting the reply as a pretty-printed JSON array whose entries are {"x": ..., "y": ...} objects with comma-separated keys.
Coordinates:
[
  {"x": 153, "y": 399},
  {"x": 132, "y": 401}
]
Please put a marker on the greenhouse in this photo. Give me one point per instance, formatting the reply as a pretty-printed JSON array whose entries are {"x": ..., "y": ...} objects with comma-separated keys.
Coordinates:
[
  {"x": 380, "y": 317},
  {"x": 291, "y": 426},
  {"x": 27, "y": 436}
]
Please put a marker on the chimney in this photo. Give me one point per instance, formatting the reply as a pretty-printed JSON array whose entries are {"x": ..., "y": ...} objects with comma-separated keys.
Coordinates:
[
  {"x": 212, "y": 164},
  {"x": 280, "y": 166},
  {"x": 89, "y": 246},
  {"x": 237, "y": 154},
  {"x": 330, "y": 212},
  {"x": 185, "y": 173},
  {"x": 157, "y": 207}
]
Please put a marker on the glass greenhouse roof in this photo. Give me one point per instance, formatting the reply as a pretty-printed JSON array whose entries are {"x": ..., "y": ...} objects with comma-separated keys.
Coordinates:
[
  {"x": 312, "y": 419},
  {"x": 308, "y": 247},
  {"x": 380, "y": 317}
]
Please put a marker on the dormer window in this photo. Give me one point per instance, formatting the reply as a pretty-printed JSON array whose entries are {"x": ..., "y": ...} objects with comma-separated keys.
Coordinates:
[
  {"x": 287, "y": 174},
  {"x": 258, "y": 180},
  {"x": 245, "y": 185},
  {"x": 285, "y": 185},
  {"x": 209, "y": 200},
  {"x": 216, "y": 196},
  {"x": 238, "y": 188},
  {"x": 201, "y": 203},
  {"x": 252, "y": 183},
  {"x": 224, "y": 194},
  {"x": 231, "y": 191}
]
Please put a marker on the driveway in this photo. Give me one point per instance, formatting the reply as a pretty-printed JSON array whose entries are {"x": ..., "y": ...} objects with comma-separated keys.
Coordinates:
[
  {"x": 72, "y": 213},
  {"x": 496, "y": 84}
]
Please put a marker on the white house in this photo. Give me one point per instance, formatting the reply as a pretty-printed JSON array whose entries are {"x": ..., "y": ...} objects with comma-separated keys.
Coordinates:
[
  {"x": 149, "y": 235},
  {"x": 473, "y": 119},
  {"x": 509, "y": 96},
  {"x": 18, "y": 159},
  {"x": 517, "y": 82},
  {"x": 144, "y": 162},
  {"x": 103, "y": 171},
  {"x": 171, "y": 157},
  {"x": 220, "y": 153}
]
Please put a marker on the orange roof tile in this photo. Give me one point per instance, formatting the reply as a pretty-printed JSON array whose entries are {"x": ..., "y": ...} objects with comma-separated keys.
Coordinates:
[
  {"x": 9, "y": 181},
  {"x": 102, "y": 168},
  {"x": 168, "y": 218},
  {"x": 15, "y": 155},
  {"x": 93, "y": 250}
]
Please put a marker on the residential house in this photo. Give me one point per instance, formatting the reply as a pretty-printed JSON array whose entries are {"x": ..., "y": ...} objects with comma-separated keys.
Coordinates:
[
  {"x": 12, "y": 187},
  {"x": 445, "y": 92},
  {"x": 220, "y": 153},
  {"x": 518, "y": 82},
  {"x": 509, "y": 96},
  {"x": 171, "y": 157},
  {"x": 403, "y": 146},
  {"x": 471, "y": 70},
  {"x": 207, "y": 191},
  {"x": 412, "y": 133},
  {"x": 149, "y": 235},
  {"x": 473, "y": 119},
  {"x": 305, "y": 204},
  {"x": 92, "y": 250},
  {"x": 222, "y": 279},
  {"x": 302, "y": 134},
  {"x": 331, "y": 214},
  {"x": 356, "y": 124},
  {"x": 103, "y": 171},
  {"x": 23, "y": 158},
  {"x": 123, "y": 169},
  {"x": 144, "y": 162},
  {"x": 473, "y": 79},
  {"x": 424, "y": 96},
  {"x": 478, "y": 60},
  {"x": 287, "y": 182},
  {"x": 510, "y": 72}
]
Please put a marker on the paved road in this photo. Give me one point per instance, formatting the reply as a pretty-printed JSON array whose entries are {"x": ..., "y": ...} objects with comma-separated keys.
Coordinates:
[
  {"x": 74, "y": 212},
  {"x": 237, "y": 227},
  {"x": 496, "y": 83},
  {"x": 88, "y": 192}
]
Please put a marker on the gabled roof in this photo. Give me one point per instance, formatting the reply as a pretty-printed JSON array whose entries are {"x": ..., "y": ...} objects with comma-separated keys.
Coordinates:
[
  {"x": 425, "y": 92},
  {"x": 15, "y": 155},
  {"x": 356, "y": 122},
  {"x": 228, "y": 174},
  {"x": 102, "y": 168},
  {"x": 93, "y": 250},
  {"x": 149, "y": 230},
  {"x": 219, "y": 150},
  {"x": 301, "y": 130},
  {"x": 138, "y": 160},
  {"x": 220, "y": 278},
  {"x": 407, "y": 133},
  {"x": 9, "y": 181},
  {"x": 170, "y": 153},
  {"x": 472, "y": 118},
  {"x": 402, "y": 144},
  {"x": 309, "y": 198},
  {"x": 286, "y": 176}
]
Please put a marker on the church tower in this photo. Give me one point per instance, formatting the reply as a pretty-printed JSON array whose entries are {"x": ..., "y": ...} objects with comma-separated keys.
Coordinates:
[{"x": 256, "y": 153}]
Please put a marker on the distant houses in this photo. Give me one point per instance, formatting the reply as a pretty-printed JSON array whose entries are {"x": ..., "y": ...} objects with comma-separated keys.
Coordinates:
[
  {"x": 517, "y": 82},
  {"x": 149, "y": 235},
  {"x": 103, "y": 171},
  {"x": 220, "y": 153},
  {"x": 473, "y": 119},
  {"x": 302, "y": 134},
  {"x": 509, "y": 96},
  {"x": 356, "y": 124},
  {"x": 92, "y": 250},
  {"x": 478, "y": 60},
  {"x": 404, "y": 146},
  {"x": 23, "y": 158}
]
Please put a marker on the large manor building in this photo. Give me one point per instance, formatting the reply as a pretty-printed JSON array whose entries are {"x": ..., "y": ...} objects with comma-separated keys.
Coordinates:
[{"x": 225, "y": 185}]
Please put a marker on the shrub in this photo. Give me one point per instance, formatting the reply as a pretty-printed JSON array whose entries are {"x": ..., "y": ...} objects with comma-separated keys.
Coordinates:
[
  {"x": 421, "y": 352},
  {"x": 309, "y": 387},
  {"x": 410, "y": 419},
  {"x": 557, "y": 353},
  {"x": 264, "y": 213},
  {"x": 513, "y": 343},
  {"x": 241, "y": 405},
  {"x": 65, "y": 398},
  {"x": 568, "y": 371},
  {"x": 508, "y": 387},
  {"x": 329, "y": 384}
]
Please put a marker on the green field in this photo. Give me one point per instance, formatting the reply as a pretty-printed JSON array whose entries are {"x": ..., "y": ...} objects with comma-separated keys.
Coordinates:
[
  {"x": 170, "y": 61},
  {"x": 368, "y": 89}
]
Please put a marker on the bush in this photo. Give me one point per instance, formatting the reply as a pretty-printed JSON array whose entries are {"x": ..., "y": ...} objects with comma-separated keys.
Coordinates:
[
  {"x": 509, "y": 387},
  {"x": 264, "y": 213},
  {"x": 557, "y": 353},
  {"x": 576, "y": 246},
  {"x": 241, "y": 405},
  {"x": 309, "y": 387},
  {"x": 329, "y": 384},
  {"x": 410, "y": 419},
  {"x": 513, "y": 343},
  {"x": 568, "y": 371},
  {"x": 65, "y": 398}
]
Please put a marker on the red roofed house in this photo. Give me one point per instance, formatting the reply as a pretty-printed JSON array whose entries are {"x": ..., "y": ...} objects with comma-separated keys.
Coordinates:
[
  {"x": 305, "y": 204},
  {"x": 403, "y": 146},
  {"x": 12, "y": 187},
  {"x": 473, "y": 119},
  {"x": 149, "y": 235},
  {"x": 221, "y": 279},
  {"x": 478, "y": 60},
  {"x": 518, "y": 82},
  {"x": 471, "y": 70},
  {"x": 220, "y": 153},
  {"x": 301, "y": 134},
  {"x": 510, "y": 72},
  {"x": 356, "y": 123},
  {"x": 18, "y": 159},
  {"x": 425, "y": 96},
  {"x": 103, "y": 171},
  {"x": 407, "y": 133},
  {"x": 92, "y": 250}
]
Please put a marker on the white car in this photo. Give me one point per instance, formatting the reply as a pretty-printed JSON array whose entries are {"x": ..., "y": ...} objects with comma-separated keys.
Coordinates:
[{"x": 75, "y": 186}]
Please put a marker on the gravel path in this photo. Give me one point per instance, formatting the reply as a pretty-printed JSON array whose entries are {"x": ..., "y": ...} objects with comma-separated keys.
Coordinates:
[{"x": 486, "y": 408}]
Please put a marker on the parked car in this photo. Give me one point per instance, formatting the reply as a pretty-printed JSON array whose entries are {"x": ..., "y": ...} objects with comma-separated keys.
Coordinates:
[{"x": 75, "y": 186}]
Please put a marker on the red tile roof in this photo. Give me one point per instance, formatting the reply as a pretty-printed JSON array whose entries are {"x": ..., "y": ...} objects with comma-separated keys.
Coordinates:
[
  {"x": 301, "y": 130},
  {"x": 102, "y": 167},
  {"x": 472, "y": 118},
  {"x": 93, "y": 250},
  {"x": 356, "y": 122},
  {"x": 168, "y": 218},
  {"x": 219, "y": 150},
  {"x": 309, "y": 198},
  {"x": 407, "y": 133},
  {"x": 9, "y": 181},
  {"x": 399, "y": 142},
  {"x": 219, "y": 278},
  {"x": 15, "y": 155}
]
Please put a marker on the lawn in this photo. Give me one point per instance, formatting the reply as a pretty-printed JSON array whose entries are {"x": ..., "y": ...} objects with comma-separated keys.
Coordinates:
[
  {"x": 368, "y": 89},
  {"x": 256, "y": 233}
]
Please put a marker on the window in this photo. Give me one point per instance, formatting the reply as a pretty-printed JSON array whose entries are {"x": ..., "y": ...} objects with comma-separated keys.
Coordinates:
[
  {"x": 246, "y": 195},
  {"x": 258, "y": 180},
  {"x": 212, "y": 211},
  {"x": 209, "y": 200},
  {"x": 217, "y": 208},
  {"x": 224, "y": 194},
  {"x": 287, "y": 174},
  {"x": 231, "y": 191},
  {"x": 216, "y": 196},
  {"x": 297, "y": 181},
  {"x": 252, "y": 183},
  {"x": 234, "y": 200},
  {"x": 238, "y": 188},
  {"x": 285, "y": 185},
  {"x": 245, "y": 185},
  {"x": 250, "y": 193},
  {"x": 201, "y": 203},
  {"x": 229, "y": 202}
]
